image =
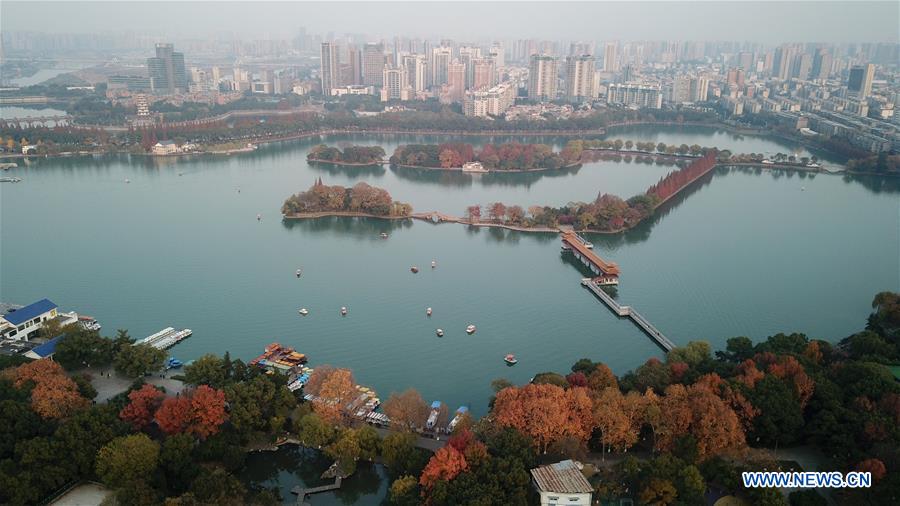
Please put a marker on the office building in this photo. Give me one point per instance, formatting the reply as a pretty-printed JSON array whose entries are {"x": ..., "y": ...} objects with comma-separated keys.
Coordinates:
[
  {"x": 373, "y": 64},
  {"x": 395, "y": 84},
  {"x": 542, "y": 77},
  {"x": 330, "y": 71},
  {"x": 440, "y": 65},
  {"x": 579, "y": 77},
  {"x": 166, "y": 71},
  {"x": 860, "y": 80}
]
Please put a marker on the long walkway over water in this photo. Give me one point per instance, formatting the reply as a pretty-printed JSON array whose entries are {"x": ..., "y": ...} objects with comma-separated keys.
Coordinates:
[{"x": 629, "y": 312}]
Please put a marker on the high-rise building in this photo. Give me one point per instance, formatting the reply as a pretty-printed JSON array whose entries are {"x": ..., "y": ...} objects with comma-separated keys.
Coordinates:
[
  {"x": 330, "y": 72},
  {"x": 579, "y": 77},
  {"x": 860, "y": 80},
  {"x": 542, "y": 77},
  {"x": 821, "y": 67},
  {"x": 467, "y": 55},
  {"x": 415, "y": 70},
  {"x": 498, "y": 55},
  {"x": 635, "y": 95},
  {"x": 611, "y": 57},
  {"x": 456, "y": 81},
  {"x": 494, "y": 101},
  {"x": 699, "y": 89},
  {"x": 355, "y": 57},
  {"x": 166, "y": 70},
  {"x": 440, "y": 65},
  {"x": 681, "y": 90},
  {"x": 801, "y": 66},
  {"x": 484, "y": 73},
  {"x": 396, "y": 84},
  {"x": 783, "y": 62},
  {"x": 373, "y": 64}
]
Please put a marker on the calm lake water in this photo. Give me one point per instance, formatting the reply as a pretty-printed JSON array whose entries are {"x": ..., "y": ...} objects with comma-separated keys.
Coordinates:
[
  {"x": 292, "y": 466},
  {"x": 745, "y": 253}
]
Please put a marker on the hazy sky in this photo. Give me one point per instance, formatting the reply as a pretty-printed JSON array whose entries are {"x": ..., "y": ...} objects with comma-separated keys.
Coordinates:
[{"x": 803, "y": 21}]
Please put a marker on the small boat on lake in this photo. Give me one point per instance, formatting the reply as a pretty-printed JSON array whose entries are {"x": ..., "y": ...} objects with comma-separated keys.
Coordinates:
[
  {"x": 343, "y": 311},
  {"x": 127, "y": 180},
  {"x": 303, "y": 311},
  {"x": 511, "y": 359},
  {"x": 384, "y": 235},
  {"x": 428, "y": 311},
  {"x": 258, "y": 217},
  {"x": 299, "y": 273},
  {"x": 439, "y": 332},
  {"x": 433, "y": 264},
  {"x": 414, "y": 269},
  {"x": 470, "y": 329}
]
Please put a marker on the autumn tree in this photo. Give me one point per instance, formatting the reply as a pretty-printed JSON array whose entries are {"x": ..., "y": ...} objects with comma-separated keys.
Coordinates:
[
  {"x": 345, "y": 451},
  {"x": 698, "y": 411},
  {"x": 658, "y": 492},
  {"x": 601, "y": 377},
  {"x": 54, "y": 395},
  {"x": 142, "y": 405},
  {"x": 544, "y": 412},
  {"x": 199, "y": 412},
  {"x": 334, "y": 390},
  {"x": 406, "y": 410},
  {"x": 445, "y": 465}
]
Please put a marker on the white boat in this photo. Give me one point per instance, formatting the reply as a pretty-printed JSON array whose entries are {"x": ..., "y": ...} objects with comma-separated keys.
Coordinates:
[
  {"x": 299, "y": 272},
  {"x": 433, "y": 264},
  {"x": 258, "y": 217},
  {"x": 439, "y": 332},
  {"x": 511, "y": 359},
  {"x": 384, "y": 235},
  {"x": 127, "y": 180},
  {"x": 470, "y": 329},
  {"x": 428, "y": 311},
  {"x": 343, "y": 311},
  {"x": 803, "y": 188},
  {"x": 414, "y": 269},
  {"x": 303, "y": 311}
]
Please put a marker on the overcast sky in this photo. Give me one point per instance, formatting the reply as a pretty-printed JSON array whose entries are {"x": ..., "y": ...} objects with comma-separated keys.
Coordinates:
[{"x": 771, "y": 22}]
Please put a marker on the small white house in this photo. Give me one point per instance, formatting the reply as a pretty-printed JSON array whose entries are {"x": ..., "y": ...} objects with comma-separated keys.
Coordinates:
[
  {"x": 473, "y": 167},
  {"x": 562, "y": 484},
  {"x": 165, "y": 148}
]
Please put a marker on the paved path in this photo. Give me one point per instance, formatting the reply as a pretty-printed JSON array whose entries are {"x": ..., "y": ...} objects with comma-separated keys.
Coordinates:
[{"x": 109, "y": 383}]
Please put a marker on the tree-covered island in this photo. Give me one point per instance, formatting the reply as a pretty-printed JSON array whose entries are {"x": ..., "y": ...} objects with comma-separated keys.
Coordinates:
[
  {"x": 360, "y": 200},
  {"x": 350, "y": 155}
]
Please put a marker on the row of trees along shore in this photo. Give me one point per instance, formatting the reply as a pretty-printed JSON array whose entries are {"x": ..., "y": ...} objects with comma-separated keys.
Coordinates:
[
  {"x": 361, "y": 198},
  {"x": 606, "y": 213},
  {"x": 508, "y": 156},
  {"x": 668, "y": 433},
  {"x": 350, "y": 155}
]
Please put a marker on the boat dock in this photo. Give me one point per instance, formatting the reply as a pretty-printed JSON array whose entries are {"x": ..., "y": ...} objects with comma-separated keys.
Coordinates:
[
  {"x": 607, "y": 272},
  {"x": 166, "y": 338},
  {"x": 629, "y": 312}
]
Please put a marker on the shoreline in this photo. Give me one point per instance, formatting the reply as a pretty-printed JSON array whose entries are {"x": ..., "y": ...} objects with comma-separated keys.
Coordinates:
[
  {"x": 489, "y": 171},
  {"x": 346, "y": 164}
]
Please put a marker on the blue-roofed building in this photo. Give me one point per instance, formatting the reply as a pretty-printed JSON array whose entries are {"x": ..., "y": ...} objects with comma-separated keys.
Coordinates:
[
  {"x": 20, "y": 323},
  {"x": 45, "y": 350}
]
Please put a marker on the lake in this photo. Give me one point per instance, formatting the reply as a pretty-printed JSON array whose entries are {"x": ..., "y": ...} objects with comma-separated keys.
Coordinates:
[{"x": 743, "y": 253}]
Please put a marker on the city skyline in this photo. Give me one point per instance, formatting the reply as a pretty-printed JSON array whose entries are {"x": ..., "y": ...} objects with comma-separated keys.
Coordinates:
[{"x": 836, "y": 22}]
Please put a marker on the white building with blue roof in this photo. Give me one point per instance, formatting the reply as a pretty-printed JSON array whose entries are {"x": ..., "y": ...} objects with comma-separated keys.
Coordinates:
[{"x": 20, "y": 323}]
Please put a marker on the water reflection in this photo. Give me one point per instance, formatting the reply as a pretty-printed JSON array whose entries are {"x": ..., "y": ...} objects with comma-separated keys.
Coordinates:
[
  {"x": 292, "y": 466},
  {"x": 361, "y": 228},
  {"x": 377, "y": 171}
]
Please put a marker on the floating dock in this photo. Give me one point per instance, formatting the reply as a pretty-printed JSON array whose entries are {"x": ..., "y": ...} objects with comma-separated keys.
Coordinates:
[
  {"x": 607, "y": 272},
  {"x": 166, "y": 338},
  {"x": 629, "y": 312}
]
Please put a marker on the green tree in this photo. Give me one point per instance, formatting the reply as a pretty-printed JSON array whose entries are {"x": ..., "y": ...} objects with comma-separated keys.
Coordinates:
[
  {"x": 780, "y": 417},
  {"x": 176, "y": 461},
  {"x": 369, "y": 442},
  {"x": 80, "y": 347},
  {"x": 313, "y": 432},
  {"x": 693, "y": 354},
  {"x": 345, "y": 451},
  {"x": 206, "y": 370},
  {"x": 139, "y": 360},
  {"x": 400, "y": 455},
  {"x": 127, "y": 459}
]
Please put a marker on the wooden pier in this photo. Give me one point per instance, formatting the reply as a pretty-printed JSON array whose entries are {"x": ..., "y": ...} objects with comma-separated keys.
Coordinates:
[
  {"x": 303, "y": 492},
  {"x": 629, "y": 312}
]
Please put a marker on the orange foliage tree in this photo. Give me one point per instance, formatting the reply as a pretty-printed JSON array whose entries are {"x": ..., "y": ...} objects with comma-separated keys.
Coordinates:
[
  {"x": 406, "y": 410},
  {"x": 54, "y": 395},
  {"x": 546, "y": 413},
  {"x": 698, "y": 411},
  {"x": 335, "y": 389},
  {"x": 199, "y": 412},
  {"x": 144, "y": 403},
  {"x": 445, "y": 465}
]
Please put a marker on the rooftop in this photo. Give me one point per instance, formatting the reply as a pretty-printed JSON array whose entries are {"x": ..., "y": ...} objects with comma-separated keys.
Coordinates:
[
  {"x": 563, "y": 477},
  {"x": 31, "y": 311},
  {"x": 46, "y": 349}
]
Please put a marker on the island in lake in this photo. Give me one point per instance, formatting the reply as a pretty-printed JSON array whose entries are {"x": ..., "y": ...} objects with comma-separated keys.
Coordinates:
[
  {"x": 360, "y": 200},
  {"x": 350, "y": 155}
]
